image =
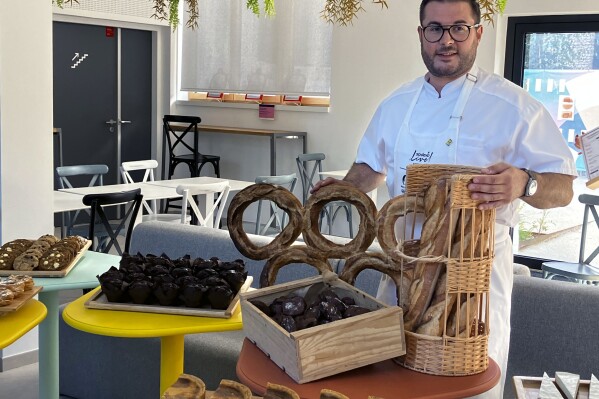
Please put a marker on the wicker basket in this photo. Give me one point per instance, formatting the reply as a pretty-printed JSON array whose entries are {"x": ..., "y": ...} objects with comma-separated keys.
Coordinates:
[{"x": 462, "y": 348}]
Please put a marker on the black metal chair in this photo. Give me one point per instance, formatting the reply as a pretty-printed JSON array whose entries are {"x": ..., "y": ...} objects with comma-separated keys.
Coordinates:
[
  {"x": 174, "y": 133},
  {"x": 581, "y": 272},
  {"x": 309, "y": 174},
  {"x": 104, "y": 231}
]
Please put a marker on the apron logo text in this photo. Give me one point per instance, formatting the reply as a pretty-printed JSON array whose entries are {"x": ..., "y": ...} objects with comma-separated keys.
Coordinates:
[{"x": 422, "y": 157}]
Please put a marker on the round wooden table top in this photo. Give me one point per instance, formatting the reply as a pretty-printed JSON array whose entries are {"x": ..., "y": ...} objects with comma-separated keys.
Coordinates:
[{"x": 385, "y": 379}]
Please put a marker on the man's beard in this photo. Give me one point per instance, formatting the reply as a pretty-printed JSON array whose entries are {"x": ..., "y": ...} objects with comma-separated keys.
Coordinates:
[{"x": 465, "y": 62}]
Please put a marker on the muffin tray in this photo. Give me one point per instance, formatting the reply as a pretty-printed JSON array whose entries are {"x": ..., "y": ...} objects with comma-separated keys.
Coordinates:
[
  {"x": 21, "y": 300},
  {"x": 98, "y": 301},
  {"x": 49, "y": 273}
]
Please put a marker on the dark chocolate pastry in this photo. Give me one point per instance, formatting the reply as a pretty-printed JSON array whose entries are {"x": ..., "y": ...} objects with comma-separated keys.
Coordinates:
[
  {"x": 234, "y": 278},
  {"x": 180, "y": 271},
  {"x": 288, "y": 323},
  {"x": 157, "y": 270},
  {"x": 327, "y": 294},
  {"x": 220, "y": 296},
  {"x": 140, "y": 291},
  {"x": 112, "y": 273},
  {"x": 214, "y": 281},
  {"x": 163, "y": 278},
  {"x": 115, "y": 290},
  {"x": 184, "y": 261},
  {"x": 303, "y": 321},
  {"x": 330, "y": 311},
  {"x": 200, "y": 263},
  {"x": 185, "y": 280},
  {"x": 166, "y": 293},
  {"x": 293, "y": 306},
  {"x": 338, "y": 303},
  {"x": 205, "y": 273},
  {"x": 130, "y": 277},
  {"x": 354, "y": 310},
  {"x": 237, "y": 265},
  {"x": 193, "y": 294}
]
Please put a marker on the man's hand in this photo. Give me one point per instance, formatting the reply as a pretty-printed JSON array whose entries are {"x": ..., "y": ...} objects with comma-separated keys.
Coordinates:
[
  {"x": 329, "y": 180},
  {"x": 502, "y": 183},
  {"x": 499, "y": 185}
]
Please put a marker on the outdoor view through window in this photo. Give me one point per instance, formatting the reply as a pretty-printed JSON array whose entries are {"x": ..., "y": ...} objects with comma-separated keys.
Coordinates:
[{"x": 562, "y": 71}]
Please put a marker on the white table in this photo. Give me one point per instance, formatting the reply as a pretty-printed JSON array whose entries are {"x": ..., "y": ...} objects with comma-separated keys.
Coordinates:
[{"x": 70, "y": 199}]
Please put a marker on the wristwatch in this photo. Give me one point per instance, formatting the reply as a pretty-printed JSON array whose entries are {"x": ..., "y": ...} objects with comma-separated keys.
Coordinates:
[{"x": 531, "y": 186}]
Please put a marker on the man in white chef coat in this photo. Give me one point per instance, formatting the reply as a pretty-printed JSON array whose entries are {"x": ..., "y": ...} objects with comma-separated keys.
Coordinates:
[{"x": 460, "y": 114}]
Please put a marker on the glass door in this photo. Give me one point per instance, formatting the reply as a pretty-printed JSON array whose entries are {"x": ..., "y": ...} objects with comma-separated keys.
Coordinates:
[{"x": 556, "y": 60}]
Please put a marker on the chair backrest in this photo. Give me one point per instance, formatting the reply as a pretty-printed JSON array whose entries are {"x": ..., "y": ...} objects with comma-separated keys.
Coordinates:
[
  {"x": 189, "y": 191},
  {"x": 286, "y": 181},
  {"x": 94, "y": 175},
  {"x": 94, "y": 171},
  {"x": 309, "y": 167},
  {"x": 99, "y": 221},
  {"x": 148, "y": 167},
  {"x": 589, "y": 201},
  {"x": 175, "y": 137}
]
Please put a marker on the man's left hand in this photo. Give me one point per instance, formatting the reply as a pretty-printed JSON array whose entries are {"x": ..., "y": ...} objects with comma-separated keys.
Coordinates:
[{"x": 498, "y": 185}]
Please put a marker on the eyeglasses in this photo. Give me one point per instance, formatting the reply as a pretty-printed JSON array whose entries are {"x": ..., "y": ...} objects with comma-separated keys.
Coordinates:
[{"x": 459, "y": 33}]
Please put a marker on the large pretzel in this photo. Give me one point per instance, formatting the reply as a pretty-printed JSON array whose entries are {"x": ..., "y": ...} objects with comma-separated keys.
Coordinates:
[
  {"x": 290, "y": 255},
  {"x": 395, "y": 208},
  {"x": 355, "y": 264},
  {"x": 284, "y": 200},
  {"x": 334, "y": 192}
]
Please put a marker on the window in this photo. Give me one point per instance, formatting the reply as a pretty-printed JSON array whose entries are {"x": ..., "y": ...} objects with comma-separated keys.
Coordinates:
[
  {"x": 233, "y": 51},
  {"x": 556, "y": 59}
]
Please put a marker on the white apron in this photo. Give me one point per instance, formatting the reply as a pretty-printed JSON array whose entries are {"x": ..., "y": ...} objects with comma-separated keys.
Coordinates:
[{"x": 441, "y": 148}]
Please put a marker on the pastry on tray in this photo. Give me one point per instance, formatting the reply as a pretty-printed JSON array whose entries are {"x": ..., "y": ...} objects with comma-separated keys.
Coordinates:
[
  {"x": 186, "y": 387},
  {"x": 232, "y": 390},
  {"x": 6, "y": 297},
  {"x": 274, "y": 391},
  {"x": 329, "y": 394},
  {"x": 17, "y": 287}
]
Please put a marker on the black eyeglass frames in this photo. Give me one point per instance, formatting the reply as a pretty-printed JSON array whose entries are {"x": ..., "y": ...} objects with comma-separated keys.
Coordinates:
[{"x": 459, "y": 32}]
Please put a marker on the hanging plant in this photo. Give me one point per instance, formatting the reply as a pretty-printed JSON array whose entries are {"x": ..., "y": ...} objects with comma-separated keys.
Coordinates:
[{"x": 337, "y": 12}]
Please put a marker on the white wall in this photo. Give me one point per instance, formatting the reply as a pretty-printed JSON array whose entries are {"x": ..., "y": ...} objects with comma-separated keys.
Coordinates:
[{"x": 25, "y": 125}]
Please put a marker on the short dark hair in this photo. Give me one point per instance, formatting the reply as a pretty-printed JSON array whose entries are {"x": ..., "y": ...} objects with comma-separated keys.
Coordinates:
[{"x": 473, "y": 5}]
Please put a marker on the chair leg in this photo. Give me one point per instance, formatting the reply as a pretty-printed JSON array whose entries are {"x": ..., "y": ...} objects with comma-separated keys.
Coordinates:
[{"x": 216, "y": 165}]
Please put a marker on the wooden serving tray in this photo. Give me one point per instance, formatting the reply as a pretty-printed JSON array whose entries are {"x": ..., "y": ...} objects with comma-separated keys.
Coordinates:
[
  {"x": 529, "y": 387},
  {"x": 49, "y": 273},
  {"x": 99, "y": 301},
  {"x": 21, "y": 300}
]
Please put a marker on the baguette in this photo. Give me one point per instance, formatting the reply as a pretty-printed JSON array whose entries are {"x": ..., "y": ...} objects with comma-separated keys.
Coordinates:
[
  {"x": 433, "y": 319},
  {"x": 427, "y": 273}
]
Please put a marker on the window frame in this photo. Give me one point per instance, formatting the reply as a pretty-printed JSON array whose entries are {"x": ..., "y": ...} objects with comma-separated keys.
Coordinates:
[{"x": 517, "y": 28}]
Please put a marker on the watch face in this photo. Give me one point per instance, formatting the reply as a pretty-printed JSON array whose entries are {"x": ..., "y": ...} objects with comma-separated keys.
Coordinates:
[{"x": 532, "y": 187}]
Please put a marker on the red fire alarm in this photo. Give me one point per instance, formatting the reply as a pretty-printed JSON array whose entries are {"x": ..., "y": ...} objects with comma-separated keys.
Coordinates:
[{"x": 109, "y": 32}]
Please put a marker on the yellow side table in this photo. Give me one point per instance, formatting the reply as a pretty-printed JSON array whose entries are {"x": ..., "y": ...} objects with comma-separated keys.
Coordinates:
[
  {"x": 170, "y": 328},
  {"x": 15, "y": 324}
]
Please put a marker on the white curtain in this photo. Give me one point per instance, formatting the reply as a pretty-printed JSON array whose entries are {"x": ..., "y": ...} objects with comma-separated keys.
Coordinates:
[{"x": 234, "y": 51}]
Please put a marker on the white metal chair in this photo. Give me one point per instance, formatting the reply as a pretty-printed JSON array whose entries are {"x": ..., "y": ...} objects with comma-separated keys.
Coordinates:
[
  {"x": 210, "y": 190},
  {"x": 286, "y": 181},
  {"x": 147, "y": 167},
  {"x": 310, "y": 167}
]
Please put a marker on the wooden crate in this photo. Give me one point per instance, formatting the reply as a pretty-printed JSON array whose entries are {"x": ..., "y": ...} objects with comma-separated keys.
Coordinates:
[{"x": 329, "y": 349}]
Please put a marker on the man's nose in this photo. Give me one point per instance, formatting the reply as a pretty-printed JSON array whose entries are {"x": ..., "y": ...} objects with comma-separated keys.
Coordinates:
[{"x": 446, "y": 37}]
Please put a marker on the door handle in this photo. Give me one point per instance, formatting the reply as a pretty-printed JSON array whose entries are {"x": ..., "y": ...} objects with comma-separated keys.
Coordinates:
[
  {"x": 111, "y": 122},
  {"x": 124, "y": 122}
]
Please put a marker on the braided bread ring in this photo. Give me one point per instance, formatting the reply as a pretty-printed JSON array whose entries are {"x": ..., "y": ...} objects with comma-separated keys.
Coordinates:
[
  {"x": 387, "y": 217},
  {"x": 334, "y": 192},
  {"x": 284, "y": 200},
  {"x": 355, "y": 264},
  {"x": 289, "y": 255}
]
